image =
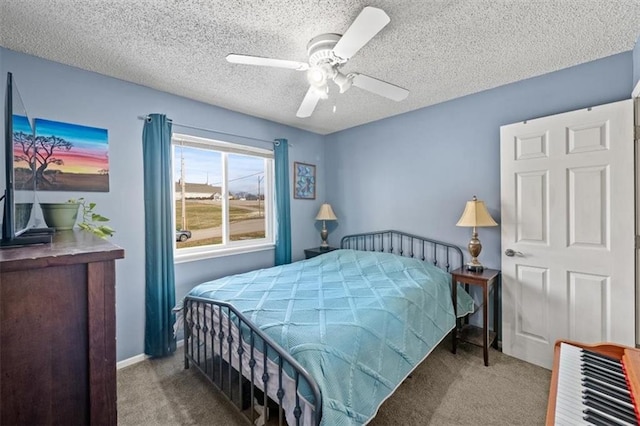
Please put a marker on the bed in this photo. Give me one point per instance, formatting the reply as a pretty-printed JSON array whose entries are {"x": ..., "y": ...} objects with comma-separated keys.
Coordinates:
[{"x": 325, "y": 340}]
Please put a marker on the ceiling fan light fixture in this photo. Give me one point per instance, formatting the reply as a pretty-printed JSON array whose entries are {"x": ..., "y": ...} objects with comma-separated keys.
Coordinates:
[
  {"x": 317, "y": 77},
  {"x": 344, "y": 82},
  {"x": 328, "y": 53},
  {"x": 320, "y": 49}
]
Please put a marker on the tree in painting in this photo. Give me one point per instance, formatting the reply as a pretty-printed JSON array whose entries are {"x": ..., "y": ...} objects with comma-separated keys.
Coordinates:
[
  {"x": 23, "y": 152},
  {"x": 39, "y": 154},
  {"x": 23, "y": 149},
  {"x": 46, "y": 147}
]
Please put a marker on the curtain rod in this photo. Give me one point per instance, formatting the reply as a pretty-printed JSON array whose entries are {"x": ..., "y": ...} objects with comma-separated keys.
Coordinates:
[{"x": 146, "y": 117}]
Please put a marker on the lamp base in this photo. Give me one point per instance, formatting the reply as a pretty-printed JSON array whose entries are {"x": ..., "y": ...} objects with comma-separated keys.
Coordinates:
[
  {"x": 474, "y": 267},
  {"x": 474, "y": 250},
  {"x": 324, "y": 234}
]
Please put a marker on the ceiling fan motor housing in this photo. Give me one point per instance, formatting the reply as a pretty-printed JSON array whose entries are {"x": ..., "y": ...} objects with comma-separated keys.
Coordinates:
[{"x": 320, "y": 50}]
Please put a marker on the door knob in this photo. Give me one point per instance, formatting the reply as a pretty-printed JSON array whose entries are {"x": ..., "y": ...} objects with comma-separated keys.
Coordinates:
[{"x": 511, "y": 253}]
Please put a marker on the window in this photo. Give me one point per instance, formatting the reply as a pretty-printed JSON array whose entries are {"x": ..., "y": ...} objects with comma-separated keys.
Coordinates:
[{"x": 222, "y": 197}]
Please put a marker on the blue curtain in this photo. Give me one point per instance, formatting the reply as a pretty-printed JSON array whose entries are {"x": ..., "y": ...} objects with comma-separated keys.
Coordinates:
[
  {"x": 160, "y": 292},
  {"x": 283, "y": 208}
]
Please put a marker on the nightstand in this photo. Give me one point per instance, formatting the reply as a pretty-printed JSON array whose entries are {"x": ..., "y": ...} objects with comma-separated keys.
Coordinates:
[
  {"x": 488, "y": 280},
  {"x": 317, "y": 251}
]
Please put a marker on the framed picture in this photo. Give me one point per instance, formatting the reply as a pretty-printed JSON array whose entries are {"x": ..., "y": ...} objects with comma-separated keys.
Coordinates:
[
  {"x": 304, "y": 181},
  {"x": 71, "y": 157}
]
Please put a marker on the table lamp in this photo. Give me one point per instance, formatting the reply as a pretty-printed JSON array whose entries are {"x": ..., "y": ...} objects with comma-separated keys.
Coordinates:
[
  {"x": 325, "y": 213},
  {"x": 475, "y": 215}
]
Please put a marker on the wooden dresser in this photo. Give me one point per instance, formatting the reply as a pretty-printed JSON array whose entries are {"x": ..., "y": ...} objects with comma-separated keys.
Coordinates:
[{"x": 57, "y": 332}]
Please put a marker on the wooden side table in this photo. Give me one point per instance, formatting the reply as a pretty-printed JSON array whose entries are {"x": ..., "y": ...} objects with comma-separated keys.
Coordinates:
[
  {"x": 488, "y": 280},
  {"x": 317, "y": 251}
]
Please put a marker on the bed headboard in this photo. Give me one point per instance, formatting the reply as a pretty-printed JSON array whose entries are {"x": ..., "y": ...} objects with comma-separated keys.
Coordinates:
[{"x": 444, "y": 255}]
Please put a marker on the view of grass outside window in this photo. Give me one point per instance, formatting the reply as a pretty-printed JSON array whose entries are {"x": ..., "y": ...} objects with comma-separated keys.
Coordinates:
[{"x": 204, "y": 217}]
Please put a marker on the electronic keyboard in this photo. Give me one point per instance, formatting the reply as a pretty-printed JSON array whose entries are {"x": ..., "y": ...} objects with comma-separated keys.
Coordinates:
[{"x": 594, "y": 385}]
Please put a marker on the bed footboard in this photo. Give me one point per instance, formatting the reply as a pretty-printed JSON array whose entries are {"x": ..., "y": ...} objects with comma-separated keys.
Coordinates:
[{"x": 247, "y": 366}]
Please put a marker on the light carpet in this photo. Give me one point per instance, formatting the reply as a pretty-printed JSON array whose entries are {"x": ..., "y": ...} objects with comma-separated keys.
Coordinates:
[{"x": 446, "y": 389}]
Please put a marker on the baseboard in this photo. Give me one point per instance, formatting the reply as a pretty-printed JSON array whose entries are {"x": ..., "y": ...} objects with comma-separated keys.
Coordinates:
[
  {"x": 636, "y": 91},
  {"x": 131, "y": 361},
  {"x": 139, "y": 358}
]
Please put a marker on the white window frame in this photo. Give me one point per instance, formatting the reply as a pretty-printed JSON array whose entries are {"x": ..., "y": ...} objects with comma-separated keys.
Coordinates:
[{"x": 189, "y": 254}]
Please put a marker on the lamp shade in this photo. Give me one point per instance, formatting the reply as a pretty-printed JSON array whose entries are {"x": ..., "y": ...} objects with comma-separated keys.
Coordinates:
[
  {"x": 476, "y": 214},
  {"x": 326, "y": 213}
]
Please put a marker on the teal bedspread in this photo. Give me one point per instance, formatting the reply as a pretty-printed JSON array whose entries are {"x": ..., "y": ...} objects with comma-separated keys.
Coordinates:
[{"x": 359, "y": 322}]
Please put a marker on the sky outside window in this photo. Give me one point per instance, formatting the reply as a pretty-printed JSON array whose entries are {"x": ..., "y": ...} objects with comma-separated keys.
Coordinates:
[{"x": 203, "y": 166}]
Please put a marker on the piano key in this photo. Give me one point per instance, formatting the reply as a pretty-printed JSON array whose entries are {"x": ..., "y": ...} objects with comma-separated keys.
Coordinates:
[
  {"x": 623, "y": 412},
  {"x": 610, "y": 412},
  {"x": 582, "y": 378},
  {"x": 596, "y": 419},
  {"x": 603, "y": 378},
  {"x": 615, "y": 369},
  {"x": 606, "y": 417},
  {"x": 569, "y": 369},
  {"x": 614, "y": 388},
  {"x": 568, "y": 409},
  {"x": 623, "y": 404},
  {"x": 608, "y": 391},
  {"x": 606, "y": 370},
  {"x": 604, "y": 367},
  {"x": 603, "y": 360},
  {"x": 614, "y": 381},
  {"x": 578, "y": 377},
  {"x": 598, "y": 355},
  {"x": 593, "y": 420}
]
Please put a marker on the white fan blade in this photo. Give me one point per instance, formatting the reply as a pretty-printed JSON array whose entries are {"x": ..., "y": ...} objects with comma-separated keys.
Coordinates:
[
  {"x": 267, "y": 62},
  {"x": 380, "y": 87},
  {"x": 369, "y": 23},
  {"x": 308, "y": 103}
]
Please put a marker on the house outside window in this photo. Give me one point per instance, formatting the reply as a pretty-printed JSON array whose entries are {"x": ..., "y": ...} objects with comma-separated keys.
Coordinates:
[{"x": 222, "y": 197}]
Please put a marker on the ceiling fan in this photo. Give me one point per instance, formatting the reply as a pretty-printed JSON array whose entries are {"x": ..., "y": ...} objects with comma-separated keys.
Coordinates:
[{"x": 327, "y": 54}]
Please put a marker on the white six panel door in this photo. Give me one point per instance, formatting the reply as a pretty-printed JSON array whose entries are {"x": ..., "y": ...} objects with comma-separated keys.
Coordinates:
[{"x": 567, "y": 198}]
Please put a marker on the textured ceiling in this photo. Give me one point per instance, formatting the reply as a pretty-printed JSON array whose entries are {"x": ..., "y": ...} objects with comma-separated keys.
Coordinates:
[{"x": 439, "y": 50}]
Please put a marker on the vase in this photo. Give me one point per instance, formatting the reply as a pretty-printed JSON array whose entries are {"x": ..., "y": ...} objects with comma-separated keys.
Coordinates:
[{"x": 61, "y": 216}]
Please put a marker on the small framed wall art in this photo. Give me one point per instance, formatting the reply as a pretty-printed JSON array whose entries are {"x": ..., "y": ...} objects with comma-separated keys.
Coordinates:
[{"x": 304, "y": 181}]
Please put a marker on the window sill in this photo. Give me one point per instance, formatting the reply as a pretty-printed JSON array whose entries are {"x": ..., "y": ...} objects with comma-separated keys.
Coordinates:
[{"x": 212, "y": 254}]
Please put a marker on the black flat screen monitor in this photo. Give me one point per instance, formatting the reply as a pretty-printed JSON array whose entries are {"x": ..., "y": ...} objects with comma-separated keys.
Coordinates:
[{"x": 19, "y": 177}]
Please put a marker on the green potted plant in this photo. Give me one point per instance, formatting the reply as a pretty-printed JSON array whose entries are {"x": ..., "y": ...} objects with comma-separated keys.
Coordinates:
[
  {"x": 63, "y": 216},
  {"x": 92, "y": 221}
]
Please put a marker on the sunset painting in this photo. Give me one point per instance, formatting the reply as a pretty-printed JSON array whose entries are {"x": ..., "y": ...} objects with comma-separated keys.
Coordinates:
[{"x": 71, "y": 157}]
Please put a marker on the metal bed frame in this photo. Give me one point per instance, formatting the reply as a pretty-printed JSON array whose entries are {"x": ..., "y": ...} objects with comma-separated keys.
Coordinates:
[{"x": 205, "y": 340}]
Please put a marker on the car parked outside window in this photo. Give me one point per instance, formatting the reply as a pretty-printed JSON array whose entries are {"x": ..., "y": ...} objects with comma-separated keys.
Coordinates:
[{"x": 183, "y": 235}]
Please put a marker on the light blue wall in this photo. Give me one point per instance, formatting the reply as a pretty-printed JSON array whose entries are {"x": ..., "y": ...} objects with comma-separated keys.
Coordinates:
[
  {"x": 58, "y": 92},
  {"x": 411, "y": 172},
  {"x": 415, "y": 171}
]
